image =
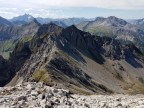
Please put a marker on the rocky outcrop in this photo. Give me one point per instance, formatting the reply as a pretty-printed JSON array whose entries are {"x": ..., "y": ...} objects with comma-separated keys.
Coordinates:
[{"x": 32, "y": 95}]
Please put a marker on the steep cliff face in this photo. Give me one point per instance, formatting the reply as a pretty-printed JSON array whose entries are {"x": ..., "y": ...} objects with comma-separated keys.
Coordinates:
[{"x": 72, "y": 59}]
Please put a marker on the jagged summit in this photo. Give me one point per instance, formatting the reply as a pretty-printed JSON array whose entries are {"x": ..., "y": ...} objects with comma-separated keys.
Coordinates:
[
  {"x": 25, "y": 17},
  {"x": 51, "y": 27},
  {"x": 72, "y": 27}
]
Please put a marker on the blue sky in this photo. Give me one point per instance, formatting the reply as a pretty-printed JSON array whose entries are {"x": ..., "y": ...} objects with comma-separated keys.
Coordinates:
[{"x": 127, "y": 9}]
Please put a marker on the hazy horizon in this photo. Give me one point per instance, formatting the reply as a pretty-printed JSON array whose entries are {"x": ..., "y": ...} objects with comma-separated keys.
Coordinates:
[{"x": 125, "y": 9}]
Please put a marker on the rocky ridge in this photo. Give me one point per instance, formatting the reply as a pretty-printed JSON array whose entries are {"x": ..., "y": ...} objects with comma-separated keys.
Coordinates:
[{"x": 79, "y": 61}]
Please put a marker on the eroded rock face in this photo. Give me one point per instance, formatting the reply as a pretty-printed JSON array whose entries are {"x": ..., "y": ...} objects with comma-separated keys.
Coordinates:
[
  {"x": 115, "y": 50},
  {"x": 38, "y": 95}
]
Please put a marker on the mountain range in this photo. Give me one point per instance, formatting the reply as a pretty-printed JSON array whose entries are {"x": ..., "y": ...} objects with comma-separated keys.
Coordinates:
[
  {"x": 76, "y": 60},
  {"x": 10, "y": 34},
  {"x": 27, "y": 25},
  {"x": 115, "y": 28},
  {"x": 99, "y": 56},
  {"x": 64, "y": 21},
  {"x": 138, "y": 22}
]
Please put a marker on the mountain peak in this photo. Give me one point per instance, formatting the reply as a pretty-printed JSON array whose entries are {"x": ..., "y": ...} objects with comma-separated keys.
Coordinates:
[
  {"x": 72, "y": 27},
  {"x": 112, "y": 17},
  {"x": 26, "y": 14},
  {"x": 47, "y": 28},
  {"x": 116, "y": 20},
  {"x": 99, "y": 19},
  {"x": 25, "y": 17}
]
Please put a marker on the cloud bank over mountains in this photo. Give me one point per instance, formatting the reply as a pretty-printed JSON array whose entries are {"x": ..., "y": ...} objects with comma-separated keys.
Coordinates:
[
  {"x": 73, "y": 8},
  {"x": 110, "y": 4}
]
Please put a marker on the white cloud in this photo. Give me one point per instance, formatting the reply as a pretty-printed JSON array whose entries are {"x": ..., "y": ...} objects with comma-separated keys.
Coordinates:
[
  {"x": 115, "y": 4},
  {"x": 45, "y": 13},
  {"x": 28, "y": 9},
  {"x": 60, "y": 8}
]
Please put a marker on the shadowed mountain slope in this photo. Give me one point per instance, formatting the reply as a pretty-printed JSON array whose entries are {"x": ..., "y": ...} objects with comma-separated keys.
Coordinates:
[
  {"x": 4, "y": 22},
  {"x": 115, "y": 28}
]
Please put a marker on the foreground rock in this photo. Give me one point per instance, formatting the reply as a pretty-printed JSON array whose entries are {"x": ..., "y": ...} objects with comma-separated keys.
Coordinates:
[{"x": 37, "y": 95}]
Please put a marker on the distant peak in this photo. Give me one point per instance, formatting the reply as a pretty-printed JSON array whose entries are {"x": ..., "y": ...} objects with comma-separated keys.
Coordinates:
[
  {"x": 115, "y": 20},
  {"x": 49, "y": 28},
  {"x": 112, "y": 17},
  {"x": 99, "y": 19},
  {"x": 26, "y": 15},
  {"x": 72, "y": 27}
]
